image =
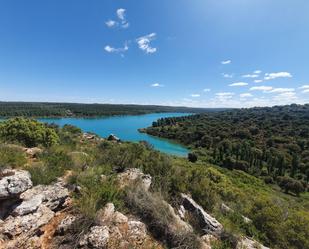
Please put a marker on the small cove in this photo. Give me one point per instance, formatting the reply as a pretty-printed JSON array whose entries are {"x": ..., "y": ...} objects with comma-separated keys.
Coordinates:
[{"x": 126, "y": 128}]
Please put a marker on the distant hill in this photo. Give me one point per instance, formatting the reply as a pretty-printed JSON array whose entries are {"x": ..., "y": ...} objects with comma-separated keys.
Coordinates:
[{"x": 44, "y": 109}]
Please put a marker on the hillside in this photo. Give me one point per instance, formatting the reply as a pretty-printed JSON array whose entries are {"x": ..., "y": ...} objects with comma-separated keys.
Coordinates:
[
  {"x": 271, "y": 143},
  {"x": 36, "y": 109},
  {"x": 79, "y": 190}
]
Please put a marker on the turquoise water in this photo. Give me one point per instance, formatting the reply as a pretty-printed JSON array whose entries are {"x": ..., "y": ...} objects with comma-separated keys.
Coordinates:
[{"x": 126, "y": 128}]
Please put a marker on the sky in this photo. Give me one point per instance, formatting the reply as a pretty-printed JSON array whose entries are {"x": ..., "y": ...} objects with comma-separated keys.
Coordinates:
[{"x": 200, "y": 53}]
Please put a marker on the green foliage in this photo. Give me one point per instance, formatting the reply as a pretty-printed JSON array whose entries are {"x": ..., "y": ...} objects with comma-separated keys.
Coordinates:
[
  {"x": 290, "y": 184},
  {"x": 260, "y": 141},
  {"x": 96, "y": 192},
  {"x": 11, "y": 156},
  {"x": 53, "y": 164},
  {"x": 27, "y": 132}
]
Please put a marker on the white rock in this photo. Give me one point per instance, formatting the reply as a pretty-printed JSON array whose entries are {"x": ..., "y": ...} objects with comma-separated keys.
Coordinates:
[
  {"x": 28, "y": 206},
  {"x": 119, "y": 218},
  {"x": 97, "y": 237},
  {"x": 15, "y": 183},
  {"x": 246, "y": 243},
  {"x": 130, "y": 175},
  {"x": 207, "y": 223}
]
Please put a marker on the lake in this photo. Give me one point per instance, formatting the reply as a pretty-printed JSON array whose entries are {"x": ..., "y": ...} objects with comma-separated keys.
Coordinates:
[{"x": 126, "y": 128}]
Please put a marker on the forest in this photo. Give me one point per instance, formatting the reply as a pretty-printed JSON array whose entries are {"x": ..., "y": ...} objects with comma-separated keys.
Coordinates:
[
  {"x": 277, "y": 219},
  {"x": 36, "y": 109},
  {"x": 271, "y": 142}
]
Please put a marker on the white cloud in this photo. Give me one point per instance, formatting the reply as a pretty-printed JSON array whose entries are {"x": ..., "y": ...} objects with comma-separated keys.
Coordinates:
[
  {"x": 144, "y": 43},
  {"x": 271, "y": 76},
  {"x": 123, "y": 23},
  {"x": 156, "y": 85},
  {"x": 121, "y": 14},
  {"x": 245, "y": 95},
  {"x": 305, "y": 91},
  {"x": 258, "y": 81},
  {"x": 239, "y": 84},
  {"x": 111, "y": 49},
  {"x": 195, "y": 95},
  {"x": 250, "y": 76},
  {"x": 226, "y": 62},
  {"x": 224, "y": 94},
  {"x": 206, "y": 90},
  {"x": 282, "y": 90},
  {"x": 226, "y": 75},
  {"x": 261, "y": 88},
  {"x": 304, "y": 87},
  {"x": 257, "y": 72},
  {"x": 111, "y": 23}
]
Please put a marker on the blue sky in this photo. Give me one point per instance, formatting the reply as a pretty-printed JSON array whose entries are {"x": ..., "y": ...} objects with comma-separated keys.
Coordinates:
[{"x": 204, "y": 53}]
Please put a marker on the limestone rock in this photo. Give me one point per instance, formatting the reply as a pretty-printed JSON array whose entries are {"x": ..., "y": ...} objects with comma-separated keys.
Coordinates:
[
  {"x": 208, "y": 224},
  {"x": 246, "y": 243},
  {"x": 131, "y": 175},
  {"x": 53, "y": 196},
  {"x": 28, "y": 206},
  {"x": 97, "y": 237},
  {"x": 14, "y": 183},
  {"x": 13, "y": 226}
]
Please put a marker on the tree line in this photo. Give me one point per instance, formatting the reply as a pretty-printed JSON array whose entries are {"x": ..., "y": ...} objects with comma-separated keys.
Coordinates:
[{"x": 272, "y": 143}]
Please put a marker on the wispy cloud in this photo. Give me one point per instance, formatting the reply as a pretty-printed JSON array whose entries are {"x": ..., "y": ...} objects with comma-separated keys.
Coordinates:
[
  {"x": 271, "y": 76},
  {"x": 156, "y": 85},
  {"x": 250, "y": 76},
  {"x": 258, "y": 81},
  {"x": 111, "y": 49},
  {"x": 121, "y": 15},
  {"x": 111, "y": 23},
  {"x": 239, "y": 84},
  {"x": 245, "y": 95},
  {"x": 195, "y": 95},
  {"x": 261, "y": 88},
  {"x": 224, "y": 94},
  {"x": 304, "y": 87},
  {"x": 206, "y": 90},
  {"x": 282, "y": 90},
  {"x": 226, "y": 62},
  {"x": 257, "y": 72},
  {"x": 144, "y": 43},
  {"x": 305, "y": 91},
  {"x": 226, "y": 75}
]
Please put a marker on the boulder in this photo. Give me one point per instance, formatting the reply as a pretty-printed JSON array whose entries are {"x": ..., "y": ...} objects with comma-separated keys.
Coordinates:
[
  {"x": 28, "y": 206},
  {"x": 97, "y": 238},
  {"x": 52, "y": 196},
  {"x": 226, "y": 210},
  {"x": 207, "y": 223},
  {"x": 246, "y": 243},
  {"x": 112, "y": 137},
  {"x": 131, "y": 175},
  {"x": 13, "y": 183},
  {"x": 14, "y": 226},
  {"x": 137, "y": 231}
]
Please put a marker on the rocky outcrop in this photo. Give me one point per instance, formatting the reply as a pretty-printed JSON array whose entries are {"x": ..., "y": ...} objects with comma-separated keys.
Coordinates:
[
  {"x": 130, "y": 176},
  {"x": 246, "y": 243},
  {"x": 207, "y": 223},
  {"x": 97, "y": 238},
  {"x": 13, "y": 183},
  {"x": 31, "y": 209}
]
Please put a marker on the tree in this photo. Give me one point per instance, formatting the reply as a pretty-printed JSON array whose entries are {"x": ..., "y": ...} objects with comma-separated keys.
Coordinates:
[
  {"x": 28, "y": 132},
  {"x": 192, "y": 157}
]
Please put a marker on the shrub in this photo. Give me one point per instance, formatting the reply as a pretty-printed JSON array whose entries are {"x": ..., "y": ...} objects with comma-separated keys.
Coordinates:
[
  {"x": 11, "y": 157},
  {"x": 192, "y": 157},
  {"x": 290, "y": 184},
  {"x": 28, "y": 132},
  {"x": 156, "y": 213},
  {"x": 96, "y": 192}
]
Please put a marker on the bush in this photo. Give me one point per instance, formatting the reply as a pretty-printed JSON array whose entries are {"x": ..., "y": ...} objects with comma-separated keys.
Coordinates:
[
  {"x": 192, "y": 157},
  {"x": 96, "y": 192},
  {"x": 290, "y": 184},
  {"x": 53, "y": 165},
  {"x": 156, "y": 213},
  {"x": 11, "y": 157},
  {"x": 28, "y": 132}
]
